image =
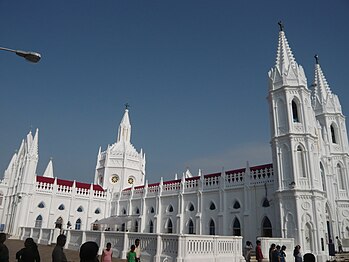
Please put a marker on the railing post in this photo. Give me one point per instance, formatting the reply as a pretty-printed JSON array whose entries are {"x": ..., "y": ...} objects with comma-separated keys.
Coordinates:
[
  {"x": 125, "y": 248},
  {"x": 102, "y": 243},
  {"x": 180, "y": 248},
  {"x": 68, "y": 239},
  {"x": 158, "y": 248}
]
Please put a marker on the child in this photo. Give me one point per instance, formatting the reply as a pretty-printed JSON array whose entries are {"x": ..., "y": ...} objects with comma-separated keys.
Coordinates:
[
  {"x": 107, "y": 254},
  {"x": 131, "y": 256}
]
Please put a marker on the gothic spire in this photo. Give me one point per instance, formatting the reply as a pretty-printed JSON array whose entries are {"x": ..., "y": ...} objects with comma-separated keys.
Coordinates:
[
  {"x": 286, "y": 71},
  {"x": 284, "y": 55},
  {"x": 124, "y": 132},
  {"x": 321, "y": 87}
]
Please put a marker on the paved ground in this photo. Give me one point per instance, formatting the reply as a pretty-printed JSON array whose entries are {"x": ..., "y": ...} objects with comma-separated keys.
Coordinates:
[{"x": 45, "y": 252}]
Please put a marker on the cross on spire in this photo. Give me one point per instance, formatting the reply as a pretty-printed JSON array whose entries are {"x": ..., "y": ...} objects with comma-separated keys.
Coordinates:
[
  {"x": 281, "y": 26},
  {"x": 127, "y": 106},
  {"x": 316, "y": 59}
]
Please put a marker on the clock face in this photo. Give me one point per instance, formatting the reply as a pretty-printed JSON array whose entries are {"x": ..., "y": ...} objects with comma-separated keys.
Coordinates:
[
  {"x": 130, "y": 180},
  {"x": 114, "y": 179}
]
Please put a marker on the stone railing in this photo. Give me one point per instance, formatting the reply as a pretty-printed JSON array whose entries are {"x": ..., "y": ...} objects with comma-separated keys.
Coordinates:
[
  {"x": 257, "y": 176},
  {"x": 155, "y": 247}
]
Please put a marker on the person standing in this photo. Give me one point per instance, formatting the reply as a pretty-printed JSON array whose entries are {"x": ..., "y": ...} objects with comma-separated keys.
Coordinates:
[
  {"x": 107, "y": 254},
  {"x": 138, "y": 250},
  {"x": 131, "y": 255},
  {"x": 259, "y": 254},
  {"x": 57, "y": 253},
  {"x": 283, "y": 254},
  {"x": 4, "y": 254},
  {"x": 297, "y": 254},
  {"x": 271, "y": 250},
  {"x": 89, "y": 252},
  {"x": 276, "y": 255},
  {"x": 340, "y": 246},
  {"x": 29, "y": 253},
  {"x": 248, "y": 249}
]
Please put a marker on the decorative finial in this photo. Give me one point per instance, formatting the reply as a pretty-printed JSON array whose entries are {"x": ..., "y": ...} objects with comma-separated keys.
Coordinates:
[
  {"x": 281, "y": 26},
  {"x": 316, "y": 59},
  {"x": 127, "y": 106}
]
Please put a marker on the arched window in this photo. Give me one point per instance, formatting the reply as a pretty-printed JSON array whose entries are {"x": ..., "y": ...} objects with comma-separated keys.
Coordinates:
[
  {"x": 236, "y": 205},
  {"x": 41, "y": 204},
  {"x": 151, "y": 226},
  {"x": 38, "y": 221},
  {"x": 295, "y": 113},
  {"x": 333, "y": 134},
  {"x": 124, "y": 211},
  {"x": 80, "y": 209},
  {"x": 191, "y": 227},
  {"x": 78, "y": 224},
  {"x": 191, "y": 207},
  {"x": 170, "y": 209},
  {"x": 61, "y": 207},
  {"x": 236, "y": 227},
  {"x": 267, "y": 230},
  {"x": 137, "y": 211},
  {"x": 169, "y": 226},
  {"x": 152, "y": 210},
  {"x": 97, "y": 211},
  {"x": 212, "y": 206},
  {"x": 301, "y": 162},
  {"x": 341, "y": 179},
  {"x": 136, "y": 226},
  {"x": 212, "y": 227}
]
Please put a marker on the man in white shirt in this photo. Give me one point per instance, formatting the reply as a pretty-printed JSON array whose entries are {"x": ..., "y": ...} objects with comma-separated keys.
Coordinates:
[{"x": 138, "y": 250}]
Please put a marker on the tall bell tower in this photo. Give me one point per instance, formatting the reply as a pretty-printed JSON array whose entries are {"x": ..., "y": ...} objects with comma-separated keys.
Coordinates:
[
  {"x": 295, "y": 147},
  {"x": 120, "y": 166}
]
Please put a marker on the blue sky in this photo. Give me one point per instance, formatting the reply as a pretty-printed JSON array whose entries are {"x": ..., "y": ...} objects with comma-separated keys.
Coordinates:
[{"x": 194, "y": 73}]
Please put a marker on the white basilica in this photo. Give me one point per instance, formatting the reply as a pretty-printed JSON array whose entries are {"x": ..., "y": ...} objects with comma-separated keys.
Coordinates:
[{"x": 302, "y": 194}]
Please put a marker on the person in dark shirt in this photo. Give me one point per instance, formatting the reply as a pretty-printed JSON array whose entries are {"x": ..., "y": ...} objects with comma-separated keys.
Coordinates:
[
  {"x": 276, "y": 255},
  {"x": 57, "y": 253},
  {"x": 29, "y": 253},
  {"x": 4, "y": 254},
  {"x": 89, "y": 252}
]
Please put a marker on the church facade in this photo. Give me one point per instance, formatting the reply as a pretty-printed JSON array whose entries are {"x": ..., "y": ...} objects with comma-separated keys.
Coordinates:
[{"x": 302, "y": 194}]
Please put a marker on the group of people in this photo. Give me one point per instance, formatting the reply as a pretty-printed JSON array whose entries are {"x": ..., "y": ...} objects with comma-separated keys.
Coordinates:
[
  {"x": 88, "y": 251},
  {"x": 277, "y": 253}
]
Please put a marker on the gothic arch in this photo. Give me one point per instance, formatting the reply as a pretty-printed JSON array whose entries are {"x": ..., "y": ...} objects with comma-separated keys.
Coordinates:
[
  {"x": 169, "y": 226},
  {"x": 295, "y": 110},
  {"x": 151, "y": 226},
  {"x": 281, "y": 115},
  {"x": 236, "y": 227},
  {"x": 267, "y": 229},
  {"x": 341, "y": 176},
  {"x": 169, "y": 209},
  {"x": 190, "y": 225},
  {"x": 334, "y": 133},
  {"x": 1, "y": 197},
  {"x": 136, "y": 226},
  {"x": 190, "y": 206},
  {"x": 212, "y": 227},
  {"x": 301, "y": 160},
  {"x": 38, "y": 221},
  {"x": 289, "y": 225},
  {"x": 78, "y": 224},
  {"x": 236, "y": 204},
  {"x": 212, "y": 206},
  {"x": 285, "y": 161}
]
